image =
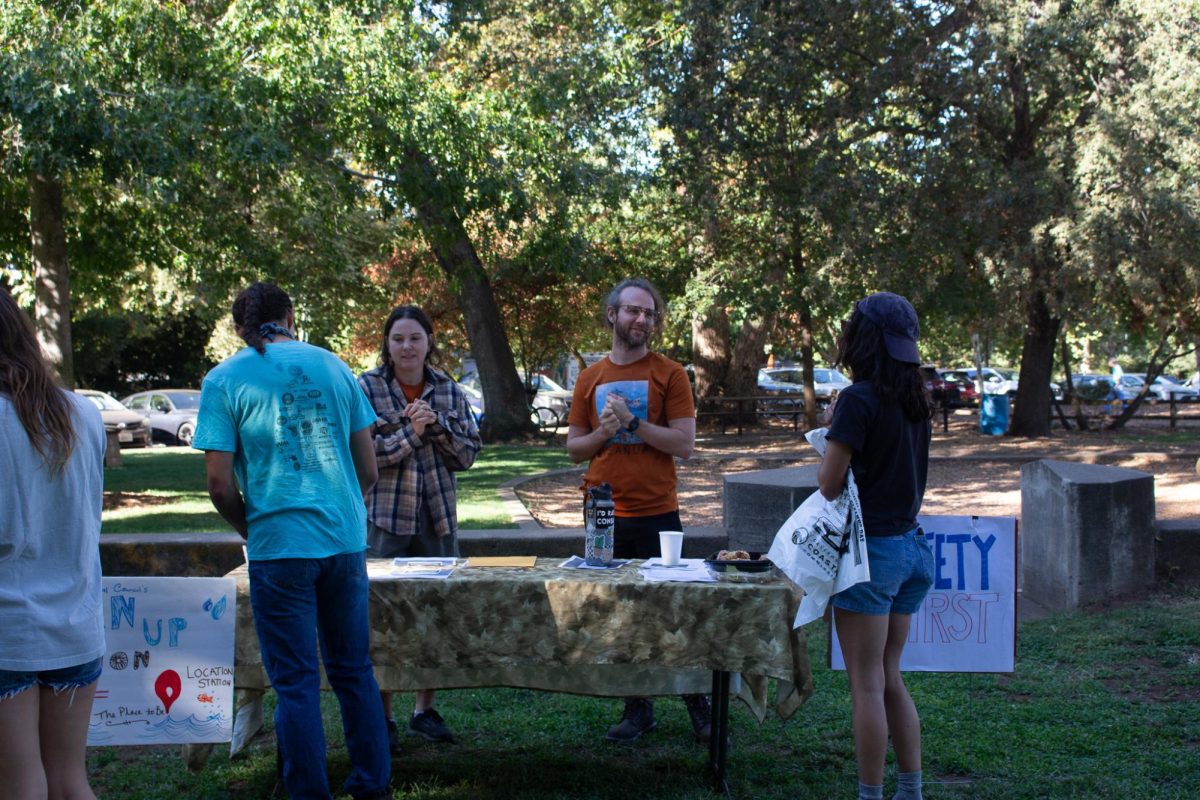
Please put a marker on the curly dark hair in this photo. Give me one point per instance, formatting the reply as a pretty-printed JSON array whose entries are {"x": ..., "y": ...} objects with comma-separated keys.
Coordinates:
[
  {"x": 259, "y": 303},
  {"x": 861, "y": 349},
  {"x": 433, "y": 357}
]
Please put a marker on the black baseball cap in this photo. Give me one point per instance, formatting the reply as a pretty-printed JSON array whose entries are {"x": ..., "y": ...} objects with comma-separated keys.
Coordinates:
[{"x": 898, "y": 319}]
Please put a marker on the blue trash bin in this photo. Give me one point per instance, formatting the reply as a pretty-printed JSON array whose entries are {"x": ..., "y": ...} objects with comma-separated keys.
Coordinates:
[{"x": 993, "y": 414}]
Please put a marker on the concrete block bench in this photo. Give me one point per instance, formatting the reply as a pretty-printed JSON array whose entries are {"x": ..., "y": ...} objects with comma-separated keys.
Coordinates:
[
  {"x": 758, "y": 503},
  {"x": 1087, "y": 532}
]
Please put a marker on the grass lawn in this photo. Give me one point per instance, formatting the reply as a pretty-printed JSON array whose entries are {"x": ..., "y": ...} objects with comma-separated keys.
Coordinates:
[
  {"x": 162, "y": 490},
  {"x": 1100, "y": 706}
]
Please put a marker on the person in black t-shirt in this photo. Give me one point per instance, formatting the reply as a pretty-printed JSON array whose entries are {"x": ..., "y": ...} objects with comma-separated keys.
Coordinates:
[{"x": 881, "y": 431}]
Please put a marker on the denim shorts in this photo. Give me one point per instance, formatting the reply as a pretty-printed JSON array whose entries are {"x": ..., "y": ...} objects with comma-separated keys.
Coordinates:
[
  {"x": 901, "y": 574},
  {"x": 59, "y": 680}
]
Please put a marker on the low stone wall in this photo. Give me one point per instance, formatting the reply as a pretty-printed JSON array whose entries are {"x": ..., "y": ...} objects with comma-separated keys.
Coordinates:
[
  {"x": 565, "y": 542},
  {"x": 201, "y": 555},
  {"x": 1178, "y": 554},
  {"x": 214, "y": 554}
]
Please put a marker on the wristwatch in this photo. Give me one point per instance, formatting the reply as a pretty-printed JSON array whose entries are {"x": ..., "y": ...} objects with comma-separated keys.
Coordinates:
[{"x": 633, "y": 424}]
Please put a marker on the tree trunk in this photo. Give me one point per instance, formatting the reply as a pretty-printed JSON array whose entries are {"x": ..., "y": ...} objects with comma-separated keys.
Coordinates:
[
  {"x": 1153, "y": 370},
  {"x": 710, "y": 350},
  {"x": 804, "y": 311},
  {"x": 742, "y": 378},
  {"x": 1069, "y": 387},
  {"x": 805, "y": 315},
  {"x": 1031, "y": 417},
  {"x": 51, "y": 274},
  {"x": 696, "y": 131},
  {"x": 506, "y": 407}
]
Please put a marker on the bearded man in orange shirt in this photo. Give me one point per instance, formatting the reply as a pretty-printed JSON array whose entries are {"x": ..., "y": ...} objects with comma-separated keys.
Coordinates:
[{"x": 631, "y": 416}]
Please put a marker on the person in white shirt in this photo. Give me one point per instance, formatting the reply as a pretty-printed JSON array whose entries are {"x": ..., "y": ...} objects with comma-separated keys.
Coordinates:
[{"x": 51, "y": 626}]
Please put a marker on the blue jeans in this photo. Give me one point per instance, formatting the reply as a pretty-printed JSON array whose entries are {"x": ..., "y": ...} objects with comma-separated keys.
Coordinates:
[
  {"x": 901, "y": 574},
  {"x": 57, "y": 680},
  {"x": 297, "y": 603}
]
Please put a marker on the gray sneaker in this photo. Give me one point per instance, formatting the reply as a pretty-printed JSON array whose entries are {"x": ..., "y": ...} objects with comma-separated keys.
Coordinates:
[
  {"x": 430, "y": 726},
  {"x": 637, "y": 719}
]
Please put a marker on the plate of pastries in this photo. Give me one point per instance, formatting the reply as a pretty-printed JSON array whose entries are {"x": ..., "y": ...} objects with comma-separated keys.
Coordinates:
[{"x": 738, "y": 561}]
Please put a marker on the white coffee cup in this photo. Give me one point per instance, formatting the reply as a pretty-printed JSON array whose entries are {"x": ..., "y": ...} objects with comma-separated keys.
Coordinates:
[{"x": 672, "y": 546}]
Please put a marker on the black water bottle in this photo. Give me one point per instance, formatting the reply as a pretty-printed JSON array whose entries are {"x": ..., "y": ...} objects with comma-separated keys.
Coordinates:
[{"x": 598, "y": 517}]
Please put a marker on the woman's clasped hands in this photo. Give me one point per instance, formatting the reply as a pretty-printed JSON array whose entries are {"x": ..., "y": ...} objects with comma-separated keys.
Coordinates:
[{"x": 420, "y": 414}]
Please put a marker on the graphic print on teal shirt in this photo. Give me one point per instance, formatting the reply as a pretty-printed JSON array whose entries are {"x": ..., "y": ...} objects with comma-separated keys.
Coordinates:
[
  {"x": 637, "y": 398},
  {"x": 305, "y": 435}
]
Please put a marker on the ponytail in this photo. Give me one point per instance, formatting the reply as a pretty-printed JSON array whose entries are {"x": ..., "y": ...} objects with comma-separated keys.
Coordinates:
[{"x": 255, "y": 309}]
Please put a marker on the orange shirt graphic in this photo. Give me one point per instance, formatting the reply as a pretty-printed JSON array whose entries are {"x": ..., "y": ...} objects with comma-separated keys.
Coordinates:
[{"x": 656, "y": 389}]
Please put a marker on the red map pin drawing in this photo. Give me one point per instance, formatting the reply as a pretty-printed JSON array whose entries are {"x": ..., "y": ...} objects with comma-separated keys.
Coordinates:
[{"x": 167, "y": 686}]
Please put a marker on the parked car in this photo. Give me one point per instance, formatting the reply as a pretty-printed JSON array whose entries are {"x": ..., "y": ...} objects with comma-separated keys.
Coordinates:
[
  {"x": 945, "y": 392},
  {"x": 172, "y": 413},
  {"x": 967, "y": 396},
  {"x": 1163, "y": 388},
  {"x": 131, "y": 427},
  {"x": 1095, "y": 388},
  {"x": 548, "y": 394},
  {"x": 994, "y": 381},
  {"x": 474, "y": 400},
  {"x": 826, "y": 381},
  {"x": 1000, "y": 381}
]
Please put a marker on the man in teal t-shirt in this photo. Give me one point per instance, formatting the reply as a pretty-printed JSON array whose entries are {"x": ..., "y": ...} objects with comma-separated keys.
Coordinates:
[{"x": 288, "y": 421}]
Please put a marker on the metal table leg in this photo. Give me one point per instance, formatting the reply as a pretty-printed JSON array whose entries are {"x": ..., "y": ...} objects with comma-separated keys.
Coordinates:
[{"x": 718, "y": 744}]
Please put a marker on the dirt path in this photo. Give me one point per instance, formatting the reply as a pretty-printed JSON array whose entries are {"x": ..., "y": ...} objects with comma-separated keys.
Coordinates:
[{"x": 968, "y": 473}]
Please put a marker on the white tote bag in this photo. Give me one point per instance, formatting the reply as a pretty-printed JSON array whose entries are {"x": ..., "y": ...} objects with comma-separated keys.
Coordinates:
[{"x": 823, "y": 546}]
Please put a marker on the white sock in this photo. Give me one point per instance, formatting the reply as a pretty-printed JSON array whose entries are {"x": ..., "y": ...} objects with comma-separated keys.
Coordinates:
[
  {"x": 867, "y": 791},
  {"x": 908, "y": 786}
]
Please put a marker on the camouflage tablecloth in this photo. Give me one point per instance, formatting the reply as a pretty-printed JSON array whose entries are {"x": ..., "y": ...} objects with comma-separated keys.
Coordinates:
[{"x": 607, "y": 633}]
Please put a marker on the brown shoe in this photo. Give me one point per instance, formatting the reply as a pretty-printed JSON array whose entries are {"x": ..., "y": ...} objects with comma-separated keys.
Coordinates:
[
  {"x": 637, "y": 719},
  {"x": 700, "y": 711}
]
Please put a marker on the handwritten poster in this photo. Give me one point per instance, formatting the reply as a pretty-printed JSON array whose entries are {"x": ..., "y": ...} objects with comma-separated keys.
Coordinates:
[
  {"x": 968, "y": 622},
  {"x": 168, "y": 669}
]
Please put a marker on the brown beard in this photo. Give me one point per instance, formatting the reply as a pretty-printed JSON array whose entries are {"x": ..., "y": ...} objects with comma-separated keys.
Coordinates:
[{"x": 624, "y": 335}]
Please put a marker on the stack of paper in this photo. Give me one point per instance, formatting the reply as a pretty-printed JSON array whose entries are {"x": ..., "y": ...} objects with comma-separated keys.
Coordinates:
[
  {"x": 688, "y": 570},
  {"x": 579, "y": 562},
  {"x": 436, "y": 568}
]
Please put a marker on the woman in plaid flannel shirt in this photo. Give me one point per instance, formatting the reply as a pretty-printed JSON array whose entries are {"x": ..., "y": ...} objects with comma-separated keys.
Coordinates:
[{"x": 425, "y": 433}]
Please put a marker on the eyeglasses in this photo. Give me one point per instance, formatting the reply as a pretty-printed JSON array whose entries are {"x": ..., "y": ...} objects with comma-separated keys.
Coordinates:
[{"x": 637, "y": 311}]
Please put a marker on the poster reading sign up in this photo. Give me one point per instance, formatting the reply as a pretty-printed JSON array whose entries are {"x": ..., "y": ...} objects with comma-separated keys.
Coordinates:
[
  {"x": 168, "y": 669},
  {"x": 968, "y": 620}
]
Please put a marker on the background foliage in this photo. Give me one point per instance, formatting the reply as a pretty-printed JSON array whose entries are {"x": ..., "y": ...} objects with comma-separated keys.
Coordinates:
[{"x": 1024, "y": 171}]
